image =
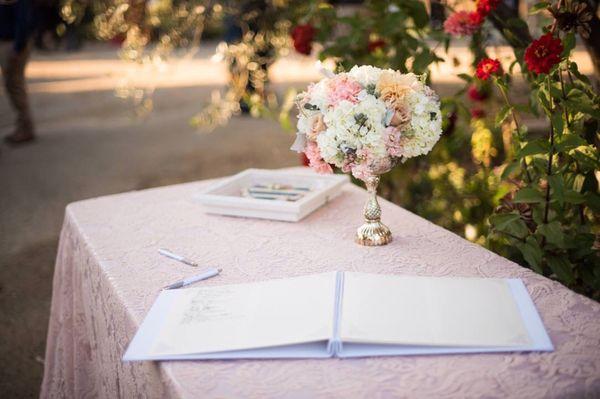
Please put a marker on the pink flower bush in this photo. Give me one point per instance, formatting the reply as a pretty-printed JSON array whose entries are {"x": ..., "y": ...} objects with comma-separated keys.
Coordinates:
[
  {"x": 315, "y": 160},
  {"x": 462, "y": 23},
  {"x": 342, "y": 87}
]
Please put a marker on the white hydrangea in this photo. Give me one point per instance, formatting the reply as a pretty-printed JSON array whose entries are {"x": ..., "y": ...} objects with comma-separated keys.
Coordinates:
[
  {"x": 425, "y": 125},
  {"x": 354, "y": 126},
  {"x": 329, "y": 147},
  {"x": 318, "y": 94},
  {"x": 365, "y": 74}
]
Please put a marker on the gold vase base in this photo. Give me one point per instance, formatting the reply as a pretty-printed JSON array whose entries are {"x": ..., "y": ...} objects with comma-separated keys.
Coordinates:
[{"x": 373, "y": 233}]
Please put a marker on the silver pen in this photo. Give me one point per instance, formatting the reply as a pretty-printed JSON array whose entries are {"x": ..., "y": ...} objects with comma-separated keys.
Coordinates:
[
  {"x": 174, "y": 256},
  {"x": 190, "y": 280}
]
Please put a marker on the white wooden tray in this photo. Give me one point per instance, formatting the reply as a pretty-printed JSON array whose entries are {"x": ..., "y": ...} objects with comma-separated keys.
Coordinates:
[{"x": 225, "y": 197}]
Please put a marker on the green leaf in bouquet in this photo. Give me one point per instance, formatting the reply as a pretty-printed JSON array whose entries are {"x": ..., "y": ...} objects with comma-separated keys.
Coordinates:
[
  {"x": 562, "y": 268},
  {"x": 528, "y": 195},
  {"x": 502, "y": 115},
  {"x": 532, "y": 253}
]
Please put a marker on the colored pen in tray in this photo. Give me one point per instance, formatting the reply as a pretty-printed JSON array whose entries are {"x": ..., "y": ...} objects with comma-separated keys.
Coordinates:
[{"x": 275, "y": 192}]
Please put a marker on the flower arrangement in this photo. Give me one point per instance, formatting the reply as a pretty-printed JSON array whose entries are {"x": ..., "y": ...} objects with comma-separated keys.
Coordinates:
[{"x": 367, "y": 120}]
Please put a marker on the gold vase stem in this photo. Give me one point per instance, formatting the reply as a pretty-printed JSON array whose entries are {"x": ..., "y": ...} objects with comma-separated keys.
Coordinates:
[{"x": 373, "y": 232}]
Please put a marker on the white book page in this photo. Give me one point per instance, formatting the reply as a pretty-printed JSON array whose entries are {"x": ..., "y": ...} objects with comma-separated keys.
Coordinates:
[
  {"x": 247, "y": 316},
  {"x": 430, "y": 311}
]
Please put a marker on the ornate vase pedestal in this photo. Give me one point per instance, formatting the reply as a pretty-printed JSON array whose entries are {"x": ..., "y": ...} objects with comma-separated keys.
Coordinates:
[{"x": 373, "y": 232}]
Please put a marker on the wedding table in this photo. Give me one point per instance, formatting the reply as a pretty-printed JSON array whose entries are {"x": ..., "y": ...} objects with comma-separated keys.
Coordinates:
[{"x": 108, "y": 274}]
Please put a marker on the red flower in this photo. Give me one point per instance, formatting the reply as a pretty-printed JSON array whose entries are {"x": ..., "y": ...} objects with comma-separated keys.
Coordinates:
[
  {"x": 477, "y": 94},
  {"x": 303, "y": 36},
  {"x": 543, "y": 54},
  {"x": 462, "y": 23},
  {"x": 477, "y": 113},
  {"x": 488, "y": 67},
  {"x": 477, "y": 18},
  {"x": 484, "y": 7},
  {"x": 375, "y": 44}
]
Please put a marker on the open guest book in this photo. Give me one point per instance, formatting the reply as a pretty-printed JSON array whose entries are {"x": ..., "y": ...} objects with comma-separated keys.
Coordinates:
[{"x": 341, "y": 314}]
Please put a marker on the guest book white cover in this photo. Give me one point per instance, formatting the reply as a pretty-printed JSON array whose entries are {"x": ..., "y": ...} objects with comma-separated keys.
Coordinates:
[
  {"x": 341, "y": 314},
  {"x": 224, "y": 197}
]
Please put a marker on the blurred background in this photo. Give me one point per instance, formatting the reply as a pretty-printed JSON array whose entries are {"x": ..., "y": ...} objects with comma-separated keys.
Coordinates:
[{"x": 127, "y": 95}]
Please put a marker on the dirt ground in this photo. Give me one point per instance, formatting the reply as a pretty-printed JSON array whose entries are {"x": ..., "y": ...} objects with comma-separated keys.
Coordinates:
[{"x": 89, "y": 144}]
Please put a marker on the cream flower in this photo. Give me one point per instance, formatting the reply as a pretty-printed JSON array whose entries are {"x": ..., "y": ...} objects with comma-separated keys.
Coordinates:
[{"x": 393, "y": 87}]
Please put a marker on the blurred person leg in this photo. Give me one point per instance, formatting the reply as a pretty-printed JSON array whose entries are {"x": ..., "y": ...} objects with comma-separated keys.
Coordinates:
[{"x": 13, "y": 65}]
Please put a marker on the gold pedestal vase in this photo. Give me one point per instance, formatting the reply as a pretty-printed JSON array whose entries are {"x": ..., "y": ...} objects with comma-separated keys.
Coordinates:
[{"x": 373, "y": 232}]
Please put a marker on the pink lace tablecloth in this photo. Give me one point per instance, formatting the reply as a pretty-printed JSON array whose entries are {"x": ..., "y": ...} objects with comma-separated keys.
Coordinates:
[{"x": 108, "y": 274}]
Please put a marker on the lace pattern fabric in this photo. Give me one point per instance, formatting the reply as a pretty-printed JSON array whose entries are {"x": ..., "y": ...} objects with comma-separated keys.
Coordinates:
[{"x": 108, "y": 274}]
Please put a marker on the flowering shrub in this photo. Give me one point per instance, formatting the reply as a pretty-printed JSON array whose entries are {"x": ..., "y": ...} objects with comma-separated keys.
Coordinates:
[
  {"x": 532, "y": 197},
  {"x": 549, "y": 218}
]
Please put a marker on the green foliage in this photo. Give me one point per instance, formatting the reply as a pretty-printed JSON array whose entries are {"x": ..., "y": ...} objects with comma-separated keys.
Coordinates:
[
  {"x": 402, "y": 25},
  {"x": 561, "y": 189}
]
